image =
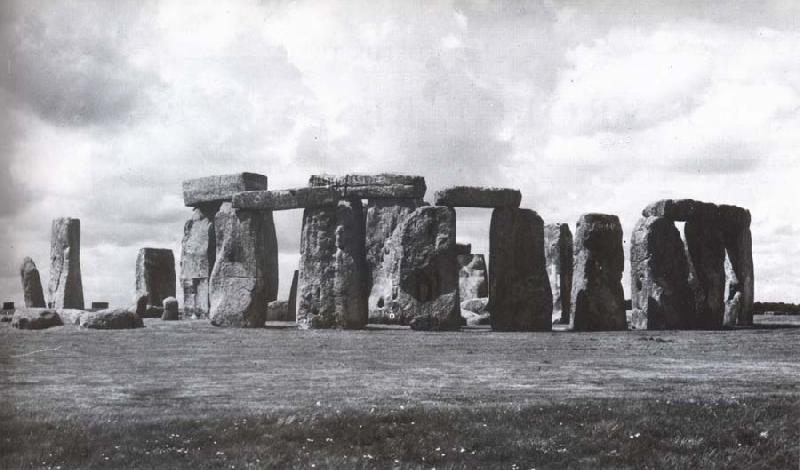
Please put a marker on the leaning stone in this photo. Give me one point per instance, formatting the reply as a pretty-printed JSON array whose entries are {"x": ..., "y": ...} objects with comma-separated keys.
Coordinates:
[
  {"x": 519, "y": 291},
  {"x": 66, "y": 287},
  {"x": 291, "y": 314},
  {"x": 598, "y": 302},
  {"x": 660, "y": 294},
  {"x": 474, "y": 196},
  {"x": 559, "y": 257},
  {"x": 472, "y": 277},
  {"x": 35, "y": 319},
  {"x": 382, "y": 186},
  {"x": 285, "y": 199},
  {"x": 155, "y": 278},
  {"x": 170, "y": 308},
  {"x": 681, "y": 210},
  {"x": 113, "y": 319},
  {"x": 278, "y": 310},
  {"x": 706, "y": 247},
  {"x": 31, "y": 285},
  {"x": 220, "y": 188},
  {"x": 198, "y": 253}
]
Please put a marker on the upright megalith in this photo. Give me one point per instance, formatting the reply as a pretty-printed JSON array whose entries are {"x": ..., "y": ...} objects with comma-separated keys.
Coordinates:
[
  {"x": 473, "y": 280},
  {"x": 198, "y": 253},
  {"x": 155, "y": 280},
  {"x": 66, "y": 288},
  {"x": 31, "y": 285},
  {"x": 245, "y": 274},
  {"x": 291, "y": 313},
  {"x": 706, "y": 248},
  {"x": 660, "y": 293},
  {"x": 559, "y": 256},
  {"x": 735, "y": 223},
  {"x": 332, "y": 285},
  {"x": 520, "y": 298},
  {"x": 598, "y": 302}
]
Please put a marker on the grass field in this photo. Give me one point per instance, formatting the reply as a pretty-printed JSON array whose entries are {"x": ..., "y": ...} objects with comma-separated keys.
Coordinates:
[{"x": 179, "y": 394}]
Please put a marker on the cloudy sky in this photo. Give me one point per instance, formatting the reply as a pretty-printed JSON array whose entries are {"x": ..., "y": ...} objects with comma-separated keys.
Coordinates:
[{"x": 105, "y": 107}]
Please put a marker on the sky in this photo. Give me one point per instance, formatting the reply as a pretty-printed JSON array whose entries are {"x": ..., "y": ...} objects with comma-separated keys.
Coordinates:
[{"x": 585, "y": 106}]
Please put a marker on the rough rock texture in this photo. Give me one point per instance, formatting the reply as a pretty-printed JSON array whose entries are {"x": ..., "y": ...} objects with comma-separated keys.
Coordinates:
[
  {"x": 66, "y": 288},
  {"x": 381, "y": 186},
  {"x": 474, "y": 196},
  {"x": 735, "y": 223},
  {"x": 291, "y": 314},
  {"x": 245, "y": 274},
  {"x": 198, "y": 253},
  {"x": 113, "y": 319},
  {"x": 285, "y": 199},
  {"x": 660, "y": 294},
  {"x": 519, "y": 291},
  {"x": 597, "y": 297},
  {"x": 463, "y": 249},
  {"x": 706, "y": 247},
  {"x": 558, "y": 255},
  {"x": 70, "y": 316},
  {"x": 332, "y": 286},
  {"x": 155, "y": 277},
  {"x": 278, "y": 310},
  {"x": 170, "y": 307},
  {"x": 215, "y": 189},
  {"x": 31, "y": 285},
  {"x": 382, "y": 218},
  {"x": 681, "y": 210},
  {"x": 473, "y": 280},
  {"x": 474, "y": 312},
  {"x": 35, "y": 319}
]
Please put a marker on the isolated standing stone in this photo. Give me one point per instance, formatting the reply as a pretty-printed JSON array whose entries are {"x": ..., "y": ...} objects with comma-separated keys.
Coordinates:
[
  {"x": 155, "y": 278},
  {"x": 66, "y": 288},
  {"x": 198, "y": 253},
  {"x": 31, "y": 285},
  {"x": 473, "y": 280},
  {"x": 706, "y": 247},
  {"x": 558, "y": 253},
  {"x": 519, "y": 291},
  {"x": 598, "y": 302},
  {"x": 332, "y": 286},
  {"x": 660, "y": 294},
  {"x": 170, "y": 307}
]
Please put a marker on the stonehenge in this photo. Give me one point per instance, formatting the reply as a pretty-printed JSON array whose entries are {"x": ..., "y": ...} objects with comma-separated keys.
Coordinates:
[
  {"x": 198, "y": 253},
  {"x": 472, "y": 277},
  {"x": 200, "y": 192},
  {"x": 170, "y": 309},
  {"x": 559, "y": 256},
  {"x": 31, "y": 285},
  {"x": 65, "y": 289},
  {"x": 155, "y": 280},
  {"x": 472, "y": 196}
]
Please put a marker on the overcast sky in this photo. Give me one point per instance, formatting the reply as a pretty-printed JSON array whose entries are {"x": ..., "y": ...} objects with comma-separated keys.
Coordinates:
[{"x": 105, "y": 107}]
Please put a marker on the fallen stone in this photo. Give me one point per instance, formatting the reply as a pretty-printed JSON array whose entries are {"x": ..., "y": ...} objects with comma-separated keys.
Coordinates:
[
  {"x": 559, "y": 258},
  {"x": 155, "y": 279},
  {"x": 472, "y": 277},
  {"x": 519, "y": 291},
  {"x": 278, "y": 310},
  {"x": 660, "y": 294},
  {"x": 474, "y": 196},
  {"x": 35, "y": 319},
  {"x": 198, "y": 253},
  {"x": 706, "y": 247},
  {"x": 463, "y": 249},
  {"x": 220, "y": 188},
  {"x": 113, "y": 319},
  {"x": 286, "y": 199},
  {"x": 70, "y": 316},
  {"x": 598, "y": 302},
  {"x": 681, "y": 210},
  {"x": 292, "y": 307},
  {"x": 31, "y": 285},
  {"x": 477, "y": 306},
  {"x": 66, "y": 287},
  {"x": 382, "y": 186},
  {"x": 170, "y": 309}
]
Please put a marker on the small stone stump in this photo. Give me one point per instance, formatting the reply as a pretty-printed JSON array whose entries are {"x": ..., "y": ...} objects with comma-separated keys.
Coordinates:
[{"x": 170, "y": 307}]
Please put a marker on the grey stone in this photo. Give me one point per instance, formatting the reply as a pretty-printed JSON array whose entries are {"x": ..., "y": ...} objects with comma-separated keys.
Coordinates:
[
  {"x": 473, "y": 279},
  {"x": 99, "y": 305},
  {"x": 463, "y": 249},
  {"x": 519, "y": 291},
  {"x": 291, "y": 315},
  {"x": 170, "y": 308},
  {"x": 70, "y": 316},
  {"x": 332, "y": 286},
  {"x": 286, "y": 199},
  {"x": 706, "y": 247},
  {"x": 739, "y": 303},
  {"x": 66, "y": 287},
  {"x": 198, "y": 254},
  {"x": 597, "y": 296},
  {"x": 559, "y": 257},
  {"x": 31, "y": 285},
  {"x": 474, "y": 196},
  {"x": 113, "y": 319},
  {"x": 381, "y": 186},
  {"x": 681, "y": 210},
  {"x": 660, "y": 294},
  {"x": 35, "y": 319},
  {"x": 474, "y": 312},
  {"x": 220, "y": 188},
  {"x": 155, "y": 277},
  {"x": 278, "y": 310}
]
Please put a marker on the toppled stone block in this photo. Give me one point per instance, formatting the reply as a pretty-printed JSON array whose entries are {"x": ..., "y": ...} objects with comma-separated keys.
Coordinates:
[
  {"x": 170, "y": 309},
  {"x": 473, "y": 280},
  {"x": 35, "y": 319},
  {"x": 286, "y": 199},
  {"x": 474, "y": 196},
  {"x": 31, "y": 285},
  {"x": 559, "y": 257},
  {"x": 220, "y": 188},
  {"x": 66, "y": 287},
  {"x": 381, "y": 186},
  {"x": 113, "y": 319},
  {"x": 278, "y": 310},
  {"x": 155, "y": 278}
]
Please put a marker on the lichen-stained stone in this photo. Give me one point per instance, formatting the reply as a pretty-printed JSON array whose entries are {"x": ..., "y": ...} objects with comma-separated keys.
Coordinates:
[
  {"x": 31, "y": 285},
  {"x": 476, "y": 196},
  {"x": 598, "y": 302},
  {"x": 66, "y": 287},
  {"x": 473, "y": 280},
  {"x": 220, "y": 188},
  {"x": 558, "y": 254},
  {"x": 332, "y": 286},
  {"x": 706, "y": 248},
  {"x": 286, "y": 199},
  {"x": 198, "y": 253},
  {"x": 155, "y": 276},
  {"x": 519, "y": 291}
]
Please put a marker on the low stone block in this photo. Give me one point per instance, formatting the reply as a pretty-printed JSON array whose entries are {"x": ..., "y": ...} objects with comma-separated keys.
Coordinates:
[
  {"x": 35, "y": 319},
  {"x": 219, "y": 188},
  {"x": 474, "y": 196},
  {"x": 286, "y": 199},
  {"x": 170, "y": 308},
  {"x": 99, "y": 305},
  {"x": 278, "y": 310},
  {"x": 113, "y": 319}
]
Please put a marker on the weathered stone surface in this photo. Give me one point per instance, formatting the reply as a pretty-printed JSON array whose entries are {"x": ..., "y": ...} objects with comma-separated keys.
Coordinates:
[
  {"x": 292, "y": 307},
  {"x": 382, "y": 218},
  {"x": 70, "y": 316},
  {"x": 734, "y": 218},
  {"x": 31, "y": 285},
  {"x": 66, "y": 287},
  {"x": 463, "y": 249},
  {"x": 558, "y": 255},
  {"x": 285, "y": 199},
  {"x": 381, "y": 186},
  {"x": 474, "y": 312},
  {"x": 706, "y": 247},
  {"x": 660, "y": 294},
  {"x": 170, "y": 309},
  {"x": 245, "y": 274},
  {"x": 198, "y": 253},
  {"x": 598, "y": 302},
  {"x": 35, "y": 319},
  {"x": 519, "y": 291},
  {"x": 681, "y": 210},
  {"x": 473, "y": 281},
  {"x": 278, "y": 310},
  {"x": 113, "y": 319},
  {"x": 474, "y": 196},
  {"x": 219, "y": 188},
  {"x": 155, "y": 277},
  {"x": 478, "y": 305},
  {"x": 739, "y": 303},
  {"x": 332, "y": 286}
]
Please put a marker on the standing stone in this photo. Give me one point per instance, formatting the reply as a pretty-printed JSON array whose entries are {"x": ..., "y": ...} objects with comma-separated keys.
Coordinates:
[
  {"x": 31, "y": 285},
  {"x": 332, "y": 282},
  {"x": 598, "y": 302},
  {"x": 660, "y": 294},
  {"x": 291, "y": 314},
  {"x": 245, "y": 274},
  {"x": 66, "y": 288},
  {"x": 558, "y": 253},
  {"x": 170, "y": 307},
  {"x": 472, "y": 278},
  {"x": 706, "y": 247},
  {"x": 198, "y": 253},
  {"x": 155, "y": 279},
  {"x": 520, "y": 298},
  {"x": 735, "y": 223}
]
